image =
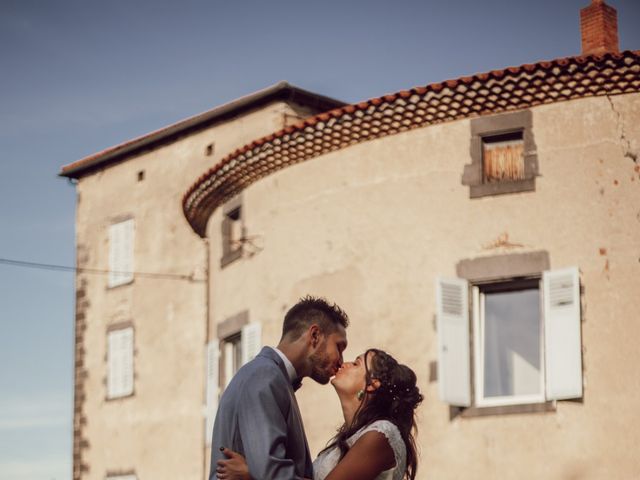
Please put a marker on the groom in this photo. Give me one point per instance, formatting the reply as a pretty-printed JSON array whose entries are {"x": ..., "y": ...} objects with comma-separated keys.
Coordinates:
[{"x": 258, "y": 415}]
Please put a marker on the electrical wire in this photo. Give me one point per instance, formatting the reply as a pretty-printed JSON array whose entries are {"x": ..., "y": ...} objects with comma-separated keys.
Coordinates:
[{"x": 63, "y": 268}]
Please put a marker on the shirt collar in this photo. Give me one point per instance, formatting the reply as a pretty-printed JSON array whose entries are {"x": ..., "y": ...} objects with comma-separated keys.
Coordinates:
[{"x": 291, "y": 371}]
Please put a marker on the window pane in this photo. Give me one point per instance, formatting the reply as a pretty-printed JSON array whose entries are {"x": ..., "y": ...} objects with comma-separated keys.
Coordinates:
[
  {"x": 237, "y": 345},
  {"x": 232, "y": 357},
  {"x": 512, "y": 332},
  {"x": 503, "y": 158}
]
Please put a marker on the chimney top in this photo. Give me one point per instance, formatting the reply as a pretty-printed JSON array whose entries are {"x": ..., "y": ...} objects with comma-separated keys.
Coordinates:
[{"x": 599, "y": 27}]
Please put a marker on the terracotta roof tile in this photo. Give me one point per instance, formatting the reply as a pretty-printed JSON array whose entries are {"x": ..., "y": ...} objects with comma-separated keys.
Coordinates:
[{"x": 509, "y": 89}]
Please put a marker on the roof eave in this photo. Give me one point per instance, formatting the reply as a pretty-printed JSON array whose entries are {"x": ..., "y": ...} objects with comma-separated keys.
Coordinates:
[{"x": 280, "y": 91}]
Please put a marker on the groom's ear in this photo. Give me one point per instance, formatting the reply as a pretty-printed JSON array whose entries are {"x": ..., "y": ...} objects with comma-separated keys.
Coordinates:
[{"x": 314, "y": 335}]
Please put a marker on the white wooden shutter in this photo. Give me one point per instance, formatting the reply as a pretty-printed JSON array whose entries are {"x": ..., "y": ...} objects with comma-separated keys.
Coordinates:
[
  {"x": 127, "y": 363},
  {"x": 121, "y": 241},
  {"x": 563, "y": 344},
  {"x": 454, "y": 363},
  {"x": 251, "y": 341},
  {"x": 120, "y": 363},
  {"x": 213, "y": 389},
  {"x": 127, "y": 251},
  {"x": 115, "y": 241},
  {"x": 114, "y": 364}
]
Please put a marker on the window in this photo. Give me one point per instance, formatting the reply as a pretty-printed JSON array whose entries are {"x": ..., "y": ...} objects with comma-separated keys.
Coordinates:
[
  {"x": 513, "y": 339},
  {"x": 508, "y": 343},
  {"x": 503, "y": 155},
  {"x": 231, "y": 358},
  {"x": 503, "y": 158},
  {"x": 120, "y": 362},
  {"x": 121, "y": 237},
  {"x": 238, "y": 342},
  {"x": 232, "y": 232}
]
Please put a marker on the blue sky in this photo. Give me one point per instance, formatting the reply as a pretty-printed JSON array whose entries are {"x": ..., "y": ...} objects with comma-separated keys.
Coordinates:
[{"x": 79, "y": 76}]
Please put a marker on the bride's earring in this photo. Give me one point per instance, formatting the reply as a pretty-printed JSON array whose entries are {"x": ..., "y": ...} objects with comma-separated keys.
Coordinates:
[{"x": 360, "y": 394}]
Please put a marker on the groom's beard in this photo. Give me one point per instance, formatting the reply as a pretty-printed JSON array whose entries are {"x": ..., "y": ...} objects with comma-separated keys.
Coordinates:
[{"x": 321, "y": 368}]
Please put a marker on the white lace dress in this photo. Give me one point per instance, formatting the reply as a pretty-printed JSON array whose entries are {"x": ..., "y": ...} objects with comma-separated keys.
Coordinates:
[{"x": 327, "y": 460}]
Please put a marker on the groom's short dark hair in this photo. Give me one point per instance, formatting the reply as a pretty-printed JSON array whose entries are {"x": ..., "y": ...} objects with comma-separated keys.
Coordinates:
[{"x": 311, "y": 310}]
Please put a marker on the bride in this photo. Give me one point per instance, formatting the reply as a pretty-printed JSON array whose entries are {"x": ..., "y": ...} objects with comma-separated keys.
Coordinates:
[{"x": 376, "y": 442}]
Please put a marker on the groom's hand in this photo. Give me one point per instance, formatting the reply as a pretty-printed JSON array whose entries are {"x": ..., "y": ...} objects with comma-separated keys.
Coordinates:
[{"x": 234, "y": 467}]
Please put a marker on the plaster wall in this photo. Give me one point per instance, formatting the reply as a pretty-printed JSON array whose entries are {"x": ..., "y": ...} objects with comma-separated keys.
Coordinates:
[
  {"x": 372, "y": 226},
  {"x": 159, "y": 431}
]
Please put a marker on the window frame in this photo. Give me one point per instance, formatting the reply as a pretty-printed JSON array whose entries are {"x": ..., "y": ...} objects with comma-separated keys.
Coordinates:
[
  {"x": 492, "y": 142},
  {"x": 493, "y": 269},
  {"x": 477, "y": 324},
  {"x": 492, "y": 126},
  {"x": 229, "y": 330},
  {"x": 232, "y": 248},
  {"x": 229, "y": 363}
]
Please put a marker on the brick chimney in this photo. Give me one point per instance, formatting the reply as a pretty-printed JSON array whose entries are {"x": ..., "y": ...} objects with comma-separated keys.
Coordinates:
[{"x": 599, "y": 26}]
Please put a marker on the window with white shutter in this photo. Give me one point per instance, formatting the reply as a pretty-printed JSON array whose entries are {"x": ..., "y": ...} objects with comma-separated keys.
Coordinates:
[
  {"x": 237, "y": 348},
  {"x": 121, "y": 245},
  {"x": 527, "y": 346},
  {"x": 120, "y": 363}
]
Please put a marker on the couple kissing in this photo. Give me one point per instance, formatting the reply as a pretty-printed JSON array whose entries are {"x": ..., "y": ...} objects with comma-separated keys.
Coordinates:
[{"x": 258, "y": 432}]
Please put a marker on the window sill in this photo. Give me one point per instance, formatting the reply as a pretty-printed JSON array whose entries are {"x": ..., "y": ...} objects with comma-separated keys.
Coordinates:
[
  {"x": 119, "y": 397},
  {"x": 500, "y": 188},
  {"x": 471, "y": 412},
  {"x": 119, "y": 285}
]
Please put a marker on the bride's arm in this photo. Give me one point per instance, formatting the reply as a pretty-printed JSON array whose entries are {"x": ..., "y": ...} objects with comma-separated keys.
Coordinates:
[
  {"x": 234, "y": 467},
  {"x": 369, "y": 457}
]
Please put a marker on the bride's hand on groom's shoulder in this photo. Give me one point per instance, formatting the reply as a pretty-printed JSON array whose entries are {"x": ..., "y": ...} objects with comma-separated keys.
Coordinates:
[{"x": 234, "y": 467}]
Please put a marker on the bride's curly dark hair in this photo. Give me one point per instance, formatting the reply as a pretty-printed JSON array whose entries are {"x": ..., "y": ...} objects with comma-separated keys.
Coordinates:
[{"x": 395, "y": 400}]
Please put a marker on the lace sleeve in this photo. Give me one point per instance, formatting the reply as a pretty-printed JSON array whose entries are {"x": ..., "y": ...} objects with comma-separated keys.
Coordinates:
[{"x": 392, "y": 434}]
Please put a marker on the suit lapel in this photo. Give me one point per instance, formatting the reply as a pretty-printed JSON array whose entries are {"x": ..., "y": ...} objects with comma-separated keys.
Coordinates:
[
  {"x": 298, "y": 416},
  {"x": 271, "y": 354}
]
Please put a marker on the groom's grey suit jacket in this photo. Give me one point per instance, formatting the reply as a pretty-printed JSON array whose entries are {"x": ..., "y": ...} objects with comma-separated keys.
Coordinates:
[{"x": 258, "y": 417}]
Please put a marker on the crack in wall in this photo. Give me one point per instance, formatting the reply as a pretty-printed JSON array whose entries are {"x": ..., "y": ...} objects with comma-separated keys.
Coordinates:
[{"x": 626, "y": 143}]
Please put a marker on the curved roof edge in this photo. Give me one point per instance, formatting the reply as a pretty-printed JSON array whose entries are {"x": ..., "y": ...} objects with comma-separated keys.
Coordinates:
[
  {"x": 280, "y": 91},
  {"x": 497, "y": 91}
]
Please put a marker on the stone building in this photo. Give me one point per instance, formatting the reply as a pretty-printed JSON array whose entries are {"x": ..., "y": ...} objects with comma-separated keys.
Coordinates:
[{"x": 483, "y": 230}]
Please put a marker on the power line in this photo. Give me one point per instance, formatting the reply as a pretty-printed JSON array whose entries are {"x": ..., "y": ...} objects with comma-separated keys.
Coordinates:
[{"x": 64, "y": 268}]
